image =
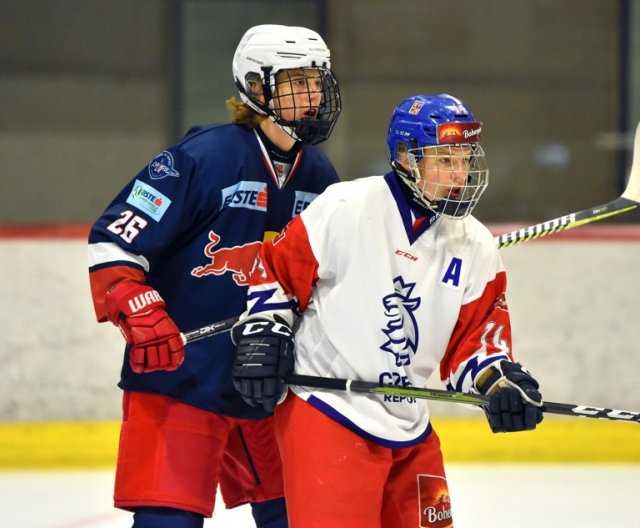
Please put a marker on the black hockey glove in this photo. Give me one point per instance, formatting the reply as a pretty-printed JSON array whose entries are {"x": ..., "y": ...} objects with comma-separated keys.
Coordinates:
[
  {"x": 515, "y": 401},
  {"x": 264, "y": 356}
]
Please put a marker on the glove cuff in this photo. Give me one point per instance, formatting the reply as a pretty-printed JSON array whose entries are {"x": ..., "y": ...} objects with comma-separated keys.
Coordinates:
[
  {"x": 506, "y": 374},
  {"x": 487, "y": 382}
]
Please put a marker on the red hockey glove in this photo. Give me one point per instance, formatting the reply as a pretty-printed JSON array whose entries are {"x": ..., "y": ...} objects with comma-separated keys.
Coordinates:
[
  {"x": 154, "y": 338},
  {"x": 515, "y": 399}
]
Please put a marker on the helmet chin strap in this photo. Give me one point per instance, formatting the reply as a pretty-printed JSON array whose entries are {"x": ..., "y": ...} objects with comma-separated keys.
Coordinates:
[
  {"x": 289, "y": 130},
  {"x": 410, "y": 179}
]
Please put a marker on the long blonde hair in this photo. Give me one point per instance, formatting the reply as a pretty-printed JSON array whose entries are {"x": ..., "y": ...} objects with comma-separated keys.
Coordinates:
[{"x": 243, "y": 114}]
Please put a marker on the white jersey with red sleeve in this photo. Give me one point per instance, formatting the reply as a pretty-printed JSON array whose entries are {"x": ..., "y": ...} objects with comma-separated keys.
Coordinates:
[{"x": 381, "y": 301}]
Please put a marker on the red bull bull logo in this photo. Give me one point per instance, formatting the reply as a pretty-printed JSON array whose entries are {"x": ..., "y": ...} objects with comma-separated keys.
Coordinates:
[{"x": 238, "y": 260}]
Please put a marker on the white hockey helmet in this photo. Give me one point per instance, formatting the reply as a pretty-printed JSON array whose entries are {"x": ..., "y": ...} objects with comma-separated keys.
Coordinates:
[{"x": 268, "y": 49}]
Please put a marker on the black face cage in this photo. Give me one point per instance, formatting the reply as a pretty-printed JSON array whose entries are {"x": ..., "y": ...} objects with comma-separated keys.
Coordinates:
[{"x": 316, "y": 127}]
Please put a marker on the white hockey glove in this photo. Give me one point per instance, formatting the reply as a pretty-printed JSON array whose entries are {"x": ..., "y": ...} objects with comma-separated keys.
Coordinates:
[{"x": 515, "y": 400}]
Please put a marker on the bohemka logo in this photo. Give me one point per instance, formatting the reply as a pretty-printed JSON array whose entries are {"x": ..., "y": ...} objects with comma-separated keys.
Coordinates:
[
  {"x": 437, "y": 514},
  {"x": 471, "y": 133},
  {"x": 451, "y": 133},
  {"x": 434, "y": 502},
  {"x": 402, "y": 329}
]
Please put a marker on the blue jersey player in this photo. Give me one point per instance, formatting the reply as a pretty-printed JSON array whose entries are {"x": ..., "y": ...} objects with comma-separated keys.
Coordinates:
[{"x": 173, "y": 252}]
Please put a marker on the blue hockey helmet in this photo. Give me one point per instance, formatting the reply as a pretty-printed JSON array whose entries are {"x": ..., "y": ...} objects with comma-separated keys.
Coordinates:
[{"x": 430, "y": 125}]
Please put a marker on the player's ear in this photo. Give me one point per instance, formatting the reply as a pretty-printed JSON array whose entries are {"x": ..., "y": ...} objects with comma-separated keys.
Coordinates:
[
  {"x": 401, "y": 156},
  {"x": 254, "y": 88}
]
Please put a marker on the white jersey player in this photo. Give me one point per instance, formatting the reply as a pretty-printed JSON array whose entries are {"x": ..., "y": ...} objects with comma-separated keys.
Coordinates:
[{"x": 389, "y": 278}]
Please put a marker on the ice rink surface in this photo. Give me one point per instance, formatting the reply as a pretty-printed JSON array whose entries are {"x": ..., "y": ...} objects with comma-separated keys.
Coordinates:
[{"x": 496, "y": 496}]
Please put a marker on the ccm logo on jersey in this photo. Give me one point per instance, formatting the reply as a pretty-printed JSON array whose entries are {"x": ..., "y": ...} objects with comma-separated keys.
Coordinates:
[
  {"x": 246, "y": 195},
  {"x": 406, "y": 255}
]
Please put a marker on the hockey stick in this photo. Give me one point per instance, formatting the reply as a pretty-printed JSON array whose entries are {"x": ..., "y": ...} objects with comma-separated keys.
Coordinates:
[
  {"x": 453, "y": 397},
  {"x": 208, "y": 330},
  {"x": 415, "y": 392},
  {"x": 627, "y": 201}
]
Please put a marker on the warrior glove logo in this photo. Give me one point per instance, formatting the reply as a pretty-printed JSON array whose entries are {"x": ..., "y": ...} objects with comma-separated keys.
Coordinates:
[{"x": 401, "y": 330}]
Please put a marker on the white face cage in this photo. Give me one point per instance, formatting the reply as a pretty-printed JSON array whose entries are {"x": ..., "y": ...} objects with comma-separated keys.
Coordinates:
[{"x": 449, "y": 179}]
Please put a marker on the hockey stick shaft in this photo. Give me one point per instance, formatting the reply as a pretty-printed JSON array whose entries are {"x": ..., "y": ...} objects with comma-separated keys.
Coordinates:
[
  {"x": 562, "y": 223},
  {"x": 453, "y": 397},
  {"x": 415, "y": 392},
  {"x": 209, "y": 330},
  {"x": 627, "y": 201}
]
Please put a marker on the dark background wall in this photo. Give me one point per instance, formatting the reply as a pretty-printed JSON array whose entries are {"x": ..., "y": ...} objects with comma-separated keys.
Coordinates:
[{"x": 90, "y": 91}]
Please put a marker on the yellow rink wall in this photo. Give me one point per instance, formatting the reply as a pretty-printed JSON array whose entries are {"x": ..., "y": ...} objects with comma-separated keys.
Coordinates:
[{"x": 79, "y": 445}]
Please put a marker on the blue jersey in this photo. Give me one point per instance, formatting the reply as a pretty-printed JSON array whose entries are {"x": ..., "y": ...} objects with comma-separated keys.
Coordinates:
[{"x": 189, "y": 225}]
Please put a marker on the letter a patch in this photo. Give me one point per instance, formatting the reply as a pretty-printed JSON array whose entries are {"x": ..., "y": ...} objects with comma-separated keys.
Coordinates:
[{"x": 452, "y": 275}]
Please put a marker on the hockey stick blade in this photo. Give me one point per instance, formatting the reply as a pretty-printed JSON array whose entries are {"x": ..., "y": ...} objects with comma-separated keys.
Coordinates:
[
  {"x": 627, "y": 201},
  {"x": 451, "y": 396}
]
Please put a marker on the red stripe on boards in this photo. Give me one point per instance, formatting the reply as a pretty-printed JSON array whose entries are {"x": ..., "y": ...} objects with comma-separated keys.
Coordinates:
[
  {"x": 35, "y": 231},
  {"x": 596, "y": 233}
]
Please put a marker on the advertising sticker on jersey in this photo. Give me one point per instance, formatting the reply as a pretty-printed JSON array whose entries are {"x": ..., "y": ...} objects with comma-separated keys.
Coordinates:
[
  {"x": 150, "y": 200},
  {"x": 247, "y": 195},
  {"x": 303, "y": 199},
  {"x": 434, "y": 502}
]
